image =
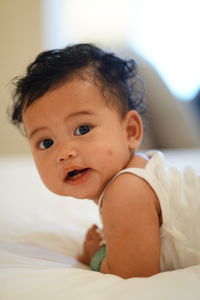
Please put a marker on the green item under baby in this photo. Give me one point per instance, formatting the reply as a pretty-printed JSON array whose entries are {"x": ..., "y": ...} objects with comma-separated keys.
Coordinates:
[{"x": 97, "y": 259}]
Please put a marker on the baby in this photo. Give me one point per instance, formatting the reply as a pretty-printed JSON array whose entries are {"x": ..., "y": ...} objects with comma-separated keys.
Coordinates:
[{"x": 81, "y": 109}]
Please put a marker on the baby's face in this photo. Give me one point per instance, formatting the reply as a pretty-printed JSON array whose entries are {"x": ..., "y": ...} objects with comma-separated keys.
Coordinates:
[{"x": 78, "y": 142}]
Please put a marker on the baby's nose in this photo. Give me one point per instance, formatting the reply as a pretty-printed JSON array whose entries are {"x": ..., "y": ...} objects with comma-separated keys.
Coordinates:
[{"x": 66, "y": 153}]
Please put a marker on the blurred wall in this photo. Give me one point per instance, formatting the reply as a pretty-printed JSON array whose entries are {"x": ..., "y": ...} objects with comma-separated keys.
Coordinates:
[
  {"x": 20, "y": 38},
  {"x": 171, "y": 123}
]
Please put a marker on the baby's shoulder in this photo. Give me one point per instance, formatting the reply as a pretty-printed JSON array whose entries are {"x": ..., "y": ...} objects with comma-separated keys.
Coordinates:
[
  {"x": 126, "y": 181},
  {"x": 128, "y": 184},
  {"x": 128, "y": 188}
]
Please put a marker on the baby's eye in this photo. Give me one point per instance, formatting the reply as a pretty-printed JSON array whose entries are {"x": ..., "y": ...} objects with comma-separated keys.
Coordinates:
[
  {"x": 45, "y": 144},
  {"x": 83, "y": 129}
]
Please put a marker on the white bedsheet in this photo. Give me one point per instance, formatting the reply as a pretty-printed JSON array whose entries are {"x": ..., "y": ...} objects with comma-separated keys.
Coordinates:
[{"x": 41, "y": 234}]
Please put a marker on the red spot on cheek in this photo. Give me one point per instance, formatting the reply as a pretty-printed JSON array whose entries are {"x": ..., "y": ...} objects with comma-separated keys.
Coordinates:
[{"x": 110, "y": 152}]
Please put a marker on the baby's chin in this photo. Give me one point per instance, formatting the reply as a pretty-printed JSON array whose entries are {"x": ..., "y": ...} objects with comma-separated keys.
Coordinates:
[{"x": 73, "y": 195}]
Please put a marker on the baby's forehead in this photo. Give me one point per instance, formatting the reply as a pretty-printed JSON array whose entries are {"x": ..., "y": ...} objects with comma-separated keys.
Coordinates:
[
  {"x": 80, "y": 87},
  {"x": 77, "y": 99}
]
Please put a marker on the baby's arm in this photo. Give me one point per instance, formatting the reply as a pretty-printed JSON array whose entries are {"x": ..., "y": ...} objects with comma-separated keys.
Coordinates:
[{"x": 130, "y": 215}]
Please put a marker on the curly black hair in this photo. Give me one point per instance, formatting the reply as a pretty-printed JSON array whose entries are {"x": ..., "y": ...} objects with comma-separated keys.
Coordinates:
[{"x": 52, "y": 68}]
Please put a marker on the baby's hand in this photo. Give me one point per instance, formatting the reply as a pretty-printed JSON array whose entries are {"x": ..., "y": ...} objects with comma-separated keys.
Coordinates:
[{"x": 91, "y": 244}]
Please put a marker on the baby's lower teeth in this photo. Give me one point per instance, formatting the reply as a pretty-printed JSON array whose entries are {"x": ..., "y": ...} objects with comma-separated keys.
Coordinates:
[{"x": 75, "y": 176}]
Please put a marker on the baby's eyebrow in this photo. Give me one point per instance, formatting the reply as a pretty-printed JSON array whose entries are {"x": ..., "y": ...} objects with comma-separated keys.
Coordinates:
[
  {"x": 36, "y": 130},
  {"x": 78, "y": 113}
]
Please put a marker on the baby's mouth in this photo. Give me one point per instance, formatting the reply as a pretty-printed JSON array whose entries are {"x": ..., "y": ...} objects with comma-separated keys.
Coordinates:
[{"x": 75, "y": 174}]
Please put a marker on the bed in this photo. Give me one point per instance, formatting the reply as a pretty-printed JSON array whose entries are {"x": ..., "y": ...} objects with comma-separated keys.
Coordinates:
[{"x": 41, "y": 235}]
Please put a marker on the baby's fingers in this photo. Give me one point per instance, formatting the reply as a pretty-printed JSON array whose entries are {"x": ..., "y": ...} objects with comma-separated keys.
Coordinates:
[
  {"x": 93, "y": 233},
  {"x": 92, "y": 230},
  {"x": 83, "y": 259}
]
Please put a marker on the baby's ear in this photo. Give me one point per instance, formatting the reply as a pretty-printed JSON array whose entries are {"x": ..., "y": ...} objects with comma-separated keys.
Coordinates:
[{"x": 134, "y": 129}]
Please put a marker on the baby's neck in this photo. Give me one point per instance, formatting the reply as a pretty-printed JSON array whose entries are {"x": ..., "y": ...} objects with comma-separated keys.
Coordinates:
[{"x": 138, "y": 160}]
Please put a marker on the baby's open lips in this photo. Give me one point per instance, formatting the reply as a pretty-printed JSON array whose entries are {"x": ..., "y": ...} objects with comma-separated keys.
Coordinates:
[{"x": 76, "y": 173}]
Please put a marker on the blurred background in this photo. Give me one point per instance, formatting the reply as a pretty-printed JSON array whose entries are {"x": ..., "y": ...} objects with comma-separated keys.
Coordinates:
[{"x": 162, "y": 36}]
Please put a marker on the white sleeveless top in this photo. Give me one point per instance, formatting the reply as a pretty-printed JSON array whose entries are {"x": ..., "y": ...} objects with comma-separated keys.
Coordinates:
[{"x": 179, "y": 197}]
